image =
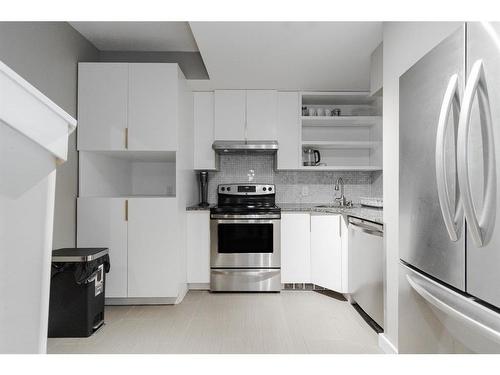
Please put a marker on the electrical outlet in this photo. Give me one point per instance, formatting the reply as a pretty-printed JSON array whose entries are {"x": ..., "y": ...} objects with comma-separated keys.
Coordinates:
[{"x": 305, "y": 190}]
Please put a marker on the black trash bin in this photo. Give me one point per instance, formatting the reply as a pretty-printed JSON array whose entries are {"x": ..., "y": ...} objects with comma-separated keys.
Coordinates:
[{"x": 78, "y": 280}]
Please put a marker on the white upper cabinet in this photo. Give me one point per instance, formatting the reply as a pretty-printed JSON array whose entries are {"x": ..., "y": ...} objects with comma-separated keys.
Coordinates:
[
  {"x": 102, "y": 106},
  {"x": 230, "y": 108},
  {"x": 326, "y": 251},
  {"x": 376, "y": 70},
  {"x": 262, "y": 115},
  {"x": 246, "y": 115},
  {"x": 288, "y": 130},
  {"x": 125, "y": 106},
  {"x": 152, "y": 107},
  {"x": 204, "y": 156},
  {"x": 295, "y": 248}
]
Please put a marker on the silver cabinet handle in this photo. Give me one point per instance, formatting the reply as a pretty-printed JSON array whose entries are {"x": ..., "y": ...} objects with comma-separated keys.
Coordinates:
[
  {"x": 462, "y": 308},
  {"x": 366, "y": 229},
  {"x": 481, "y": 229},
  {"x": 452, "y": 220}
]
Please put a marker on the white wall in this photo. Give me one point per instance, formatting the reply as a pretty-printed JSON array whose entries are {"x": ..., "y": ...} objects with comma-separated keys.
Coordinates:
[
  {"x": 46, "y": 55},
  {"x": 404, "y": 44}
]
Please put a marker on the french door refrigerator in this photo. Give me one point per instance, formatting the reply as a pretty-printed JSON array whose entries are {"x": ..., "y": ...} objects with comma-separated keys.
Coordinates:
[{"x": 449, "y": 286}]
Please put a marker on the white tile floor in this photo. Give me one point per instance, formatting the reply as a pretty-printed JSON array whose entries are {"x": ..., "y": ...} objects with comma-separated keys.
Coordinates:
[{"x": 288, "y": 322}]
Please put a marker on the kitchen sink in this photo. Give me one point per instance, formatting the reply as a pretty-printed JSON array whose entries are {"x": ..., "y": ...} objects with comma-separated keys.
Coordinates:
[{"x": 331, "y": 206}]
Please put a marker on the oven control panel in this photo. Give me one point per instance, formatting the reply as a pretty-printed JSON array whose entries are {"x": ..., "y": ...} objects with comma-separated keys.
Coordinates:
[{"x": 246, "y": 189}]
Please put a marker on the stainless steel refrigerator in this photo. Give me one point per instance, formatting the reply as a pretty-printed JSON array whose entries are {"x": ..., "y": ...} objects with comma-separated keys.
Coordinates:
[{"x": 449, "y": 286}]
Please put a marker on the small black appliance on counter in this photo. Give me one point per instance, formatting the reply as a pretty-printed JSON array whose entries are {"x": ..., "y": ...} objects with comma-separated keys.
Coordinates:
[{"x": 203, "y": 189}]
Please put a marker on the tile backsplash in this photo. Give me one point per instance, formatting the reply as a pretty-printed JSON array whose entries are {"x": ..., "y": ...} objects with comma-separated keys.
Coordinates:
[{"x": 292, "y": 186}]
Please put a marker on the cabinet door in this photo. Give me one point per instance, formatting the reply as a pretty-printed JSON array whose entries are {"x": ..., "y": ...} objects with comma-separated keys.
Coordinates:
[
  {"x": 376, "y": 63},
  {"x": 295, "y": 248},
  {"x": 204, "y": 156},
  {"x": 344, "y": 241},
  {"x": 326, "y": 251},
  {"x": 152, "y": 248},
  {"x": 102, "y": 223},
  {"x": 198, "y": 247},
  {"x": 288, "y": 131},
  {"x": 262, "y": 115},
  {"x": 152, "y": 109},
  {"x": 102, "y": 106},
  {"x": 230, "y": 107}
]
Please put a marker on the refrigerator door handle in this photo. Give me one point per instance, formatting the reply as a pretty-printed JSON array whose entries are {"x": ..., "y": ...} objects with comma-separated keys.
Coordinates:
[
  {"x": 461, "y": 308},
  {"x": 481, "y": 230},
  {"x": 452, "y": 220}
]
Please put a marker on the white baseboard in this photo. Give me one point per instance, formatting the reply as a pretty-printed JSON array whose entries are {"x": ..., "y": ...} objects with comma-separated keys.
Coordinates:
[
  {"x": 199, "y": 286},
  {"x": 386, "y": 345},
  {"x": 182, "y": 293},
  {"x": 140, "y": 301}
]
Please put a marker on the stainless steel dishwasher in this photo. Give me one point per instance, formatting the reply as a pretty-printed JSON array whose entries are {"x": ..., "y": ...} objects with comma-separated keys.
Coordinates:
[{"x": 366, "y": 261}]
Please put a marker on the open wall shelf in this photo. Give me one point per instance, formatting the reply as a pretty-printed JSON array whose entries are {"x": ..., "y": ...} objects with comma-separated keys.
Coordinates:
[
  {"x": 358, "y": 168},
  {"x": 332, "y": 145},
  {"x": 343, "y": 121},
  {"x": 349, "y": 142},
  {"x": 127, "y": 174}
]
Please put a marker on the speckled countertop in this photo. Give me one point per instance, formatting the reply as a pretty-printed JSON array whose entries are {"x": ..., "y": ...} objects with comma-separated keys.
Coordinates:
[
  {"x": 198, "y": 208},
  {"x": 366, "y": 213}
]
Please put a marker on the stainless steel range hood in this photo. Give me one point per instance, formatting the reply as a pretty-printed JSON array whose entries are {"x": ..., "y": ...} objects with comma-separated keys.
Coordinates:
[{"x": 262, "y": 147}]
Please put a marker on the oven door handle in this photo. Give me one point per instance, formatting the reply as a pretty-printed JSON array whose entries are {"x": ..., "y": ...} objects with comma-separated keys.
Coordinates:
[{"x": 245, "y": 221}]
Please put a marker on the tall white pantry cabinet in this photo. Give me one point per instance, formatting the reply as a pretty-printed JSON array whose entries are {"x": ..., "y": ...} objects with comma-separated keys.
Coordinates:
[{"x": 136, "y": 177}]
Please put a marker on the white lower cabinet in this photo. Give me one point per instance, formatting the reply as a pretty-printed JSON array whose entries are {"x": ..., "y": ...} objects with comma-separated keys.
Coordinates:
[
  {"x": 198, "y": 247},
  {"x": 328, "y": 255},
  {"x": 295, "y": 248},
  {"x": 153, "y": 264},
  {"x": 102, "y": 222},
  {"x": 142, "y": 241}
]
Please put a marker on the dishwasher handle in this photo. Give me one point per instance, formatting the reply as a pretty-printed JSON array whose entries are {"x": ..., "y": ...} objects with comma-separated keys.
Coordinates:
[{"x": 366, "y": 227}]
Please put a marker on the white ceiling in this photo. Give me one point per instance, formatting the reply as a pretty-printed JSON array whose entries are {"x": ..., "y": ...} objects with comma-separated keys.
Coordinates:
[
  {"x": 138, "y": 36},
  {"x": 287, "y": 55}
]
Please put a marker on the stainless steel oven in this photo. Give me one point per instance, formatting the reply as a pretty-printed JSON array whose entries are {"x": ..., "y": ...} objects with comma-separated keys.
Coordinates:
[
  {"x": 253, "y": 241},
  {"x": 245, "y": 239}
]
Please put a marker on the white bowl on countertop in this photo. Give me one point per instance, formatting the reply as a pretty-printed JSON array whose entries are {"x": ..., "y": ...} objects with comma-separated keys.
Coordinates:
[{"x": 372, "y": 202}]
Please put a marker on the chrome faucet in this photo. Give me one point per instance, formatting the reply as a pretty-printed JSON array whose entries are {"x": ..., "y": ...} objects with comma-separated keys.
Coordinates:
[{"x": 339, "y": 185}]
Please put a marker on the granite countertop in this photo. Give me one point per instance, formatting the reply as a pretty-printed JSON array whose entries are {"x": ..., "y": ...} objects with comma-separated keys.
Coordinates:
[
  {"x": 366, "y": 213},
  {"x": 198, "y": 208}
]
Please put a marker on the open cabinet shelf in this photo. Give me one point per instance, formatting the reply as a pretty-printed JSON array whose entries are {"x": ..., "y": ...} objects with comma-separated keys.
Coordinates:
[
  {"x": 127, "y": 174},
  {"x": 340, "y": 144},
  {"x": 359, "y": 168},
  {"x": 343, "y": 121},
  {"x": 349, "y": 142}
]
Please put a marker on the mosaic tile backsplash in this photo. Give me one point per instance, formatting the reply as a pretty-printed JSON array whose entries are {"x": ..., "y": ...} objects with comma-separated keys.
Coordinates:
[{"x": 292, "y": 186}]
